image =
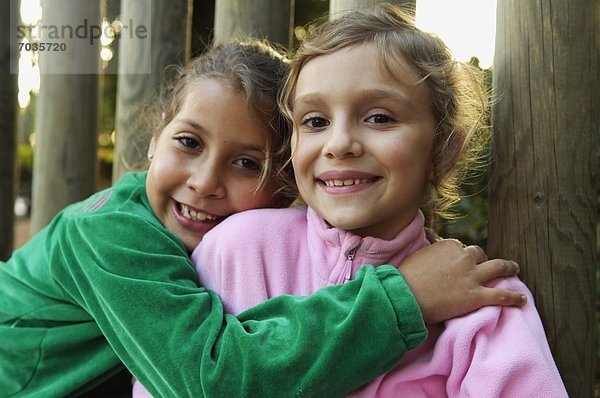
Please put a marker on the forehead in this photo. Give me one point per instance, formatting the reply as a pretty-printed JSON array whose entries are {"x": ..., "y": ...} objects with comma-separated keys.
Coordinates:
[
  {"x": 389, "y": 60},
  {"x": 214, "y": 108},
  {"x": 361, "y": 68},
  {"x": 202, "y": 89}
]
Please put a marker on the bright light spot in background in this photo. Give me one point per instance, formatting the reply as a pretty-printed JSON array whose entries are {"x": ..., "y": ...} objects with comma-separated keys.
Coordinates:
[
  {"x": 467, "y": 26},
  {"x": 29, "y": 72},
  {"x": 31, "y": 11},
  {"x": 29, "y": 78},
  {"x": 108, "y": 36}
]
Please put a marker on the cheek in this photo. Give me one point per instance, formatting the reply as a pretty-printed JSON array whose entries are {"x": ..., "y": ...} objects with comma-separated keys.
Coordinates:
[
  {"x": 302, "y": 155},
  {"x": 152, "y": 185},
  {"x": 301, "y": 173},
  {"x": 415, "y": 151},
  {"x": 154, "y": 192},
  {"x": 407, "y": 165},
  {"x": 300, "y": 148},
  {"x": 166, "y": 168},
  {"x": 263, "y": 199},
  {"x": 296, "y": 165},
  {"x": 294, "y": 141}
]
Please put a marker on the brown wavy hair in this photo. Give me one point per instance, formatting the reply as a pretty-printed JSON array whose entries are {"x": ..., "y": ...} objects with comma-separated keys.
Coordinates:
[{"x": 254, "y": 68}]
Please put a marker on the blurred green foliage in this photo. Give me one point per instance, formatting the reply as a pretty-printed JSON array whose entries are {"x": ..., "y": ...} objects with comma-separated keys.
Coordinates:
[
  {"x": 305, "y": 12},
  {"x": 25, "y": 158},
  {"x": 106, "y": 127},
  {"x": 309, "y": 10},
  {"x": 470, "y": 224}
]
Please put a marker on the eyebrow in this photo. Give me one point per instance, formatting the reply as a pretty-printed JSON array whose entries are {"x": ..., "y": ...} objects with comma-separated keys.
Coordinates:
[
  {"x": 189, "y": 122},
  {"x": 375, "y": 94},
  {"x": 366, "y": 95},
  {"x": 244, "y": 146}
]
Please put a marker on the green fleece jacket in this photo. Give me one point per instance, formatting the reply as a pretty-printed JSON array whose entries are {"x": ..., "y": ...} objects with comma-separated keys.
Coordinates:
[{"x": 106, "y": 285}]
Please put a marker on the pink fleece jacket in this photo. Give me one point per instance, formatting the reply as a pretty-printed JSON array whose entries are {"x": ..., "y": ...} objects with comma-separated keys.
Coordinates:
[{"x": 492, "y": 352}]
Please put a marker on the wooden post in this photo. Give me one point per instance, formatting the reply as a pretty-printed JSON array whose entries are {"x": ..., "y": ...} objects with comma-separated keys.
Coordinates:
[
  {"x": 543, "y": 210},
  {"x": 203, "y": 23},
  {"x": 336, "y": 6},
  {"x": 265, "y": 19},
  {"x": 142, "y": 64},
  {"x": 8, "y": 130},
  {"x": 66, "y": 115}
]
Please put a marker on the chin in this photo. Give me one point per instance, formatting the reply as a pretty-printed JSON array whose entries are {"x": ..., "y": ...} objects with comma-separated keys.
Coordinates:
[{"x": 346, "y": 225}]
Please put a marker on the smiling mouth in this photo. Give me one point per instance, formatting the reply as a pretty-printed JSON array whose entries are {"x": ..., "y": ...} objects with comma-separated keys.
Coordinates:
[
  {"x": 195, "y": 215},
  {"x": 347, "y": 182}
]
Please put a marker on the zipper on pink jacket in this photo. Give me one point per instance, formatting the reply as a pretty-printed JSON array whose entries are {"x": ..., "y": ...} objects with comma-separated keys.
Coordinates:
[{"x": 346, "y": 273}]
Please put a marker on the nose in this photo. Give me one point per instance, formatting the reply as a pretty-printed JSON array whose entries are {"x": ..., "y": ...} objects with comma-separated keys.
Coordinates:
[
  {"x": 342, "y": 141},
  {"x": 207, "y": 179}
]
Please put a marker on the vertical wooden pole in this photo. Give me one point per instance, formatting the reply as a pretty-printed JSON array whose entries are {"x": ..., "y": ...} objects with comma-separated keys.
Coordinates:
[
  {"x": 203, "y": 23},
  {"x": 142, "y": 64},
  {"x": 67, "y": 116},
  {"x": 8, "y": 130},
  {"x": 336, "y": 6},
  {"x": 543, "y": 210},
  {"x": 267, "y": 19}
]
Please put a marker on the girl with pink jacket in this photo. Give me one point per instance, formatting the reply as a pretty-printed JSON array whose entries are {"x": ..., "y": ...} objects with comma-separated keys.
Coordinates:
[{"x": 385, "y": 125}]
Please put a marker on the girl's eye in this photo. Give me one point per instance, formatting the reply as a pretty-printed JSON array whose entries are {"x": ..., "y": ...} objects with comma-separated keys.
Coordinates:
[
  {"x": 315, "y": 122},
  {"x": 188, "y": 142},
  {"x": 379, "y": 118},
  {"x": 249, "y": 164}
]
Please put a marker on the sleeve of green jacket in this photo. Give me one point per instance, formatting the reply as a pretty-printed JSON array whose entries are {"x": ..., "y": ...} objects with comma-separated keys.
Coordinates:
[{"x": 175, "y": 338}]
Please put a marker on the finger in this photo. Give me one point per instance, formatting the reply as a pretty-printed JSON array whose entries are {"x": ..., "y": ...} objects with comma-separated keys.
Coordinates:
[
  {"x": 502, "y": 297},
  {"x": 497, "y": 268},
  {"x": 453, "y": 240},
  {"x": 456, "y": 241},
  {"x": 476, "y": 253}
]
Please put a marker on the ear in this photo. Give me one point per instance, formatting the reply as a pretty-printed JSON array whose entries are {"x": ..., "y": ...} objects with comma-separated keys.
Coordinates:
[{"x": 152, "y": 148}]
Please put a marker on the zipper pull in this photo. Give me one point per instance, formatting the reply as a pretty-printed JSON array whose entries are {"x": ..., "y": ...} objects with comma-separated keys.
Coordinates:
[
  {"x": 349, "y": 259},
  {"x": 350, "y": 254}
]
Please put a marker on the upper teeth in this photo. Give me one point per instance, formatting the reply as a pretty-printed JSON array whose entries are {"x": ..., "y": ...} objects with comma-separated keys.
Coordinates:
[
  {"x": 196, "y": 215},
  {"x": 339, "y": 183}
]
